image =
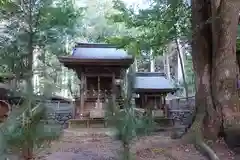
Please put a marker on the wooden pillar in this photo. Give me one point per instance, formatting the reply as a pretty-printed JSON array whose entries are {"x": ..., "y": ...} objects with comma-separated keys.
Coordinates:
[
  {"x": 165, "y": 106},
  {"x": 146, "y": 104},
  {"x": 142, "y": 101},
  {"x": 145, "y": 101},
  {"x": 82, "y": 96},
  {"x": 98, "y": 93},
  {"x": 114, "y": 91}
]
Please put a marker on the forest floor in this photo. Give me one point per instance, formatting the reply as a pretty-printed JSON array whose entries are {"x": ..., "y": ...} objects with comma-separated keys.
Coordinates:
[
  {"x": 99, "y": 144},
  {"x": 222, "y": 150}
]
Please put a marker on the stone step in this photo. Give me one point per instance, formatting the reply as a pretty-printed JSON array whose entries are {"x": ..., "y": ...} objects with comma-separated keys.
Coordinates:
[
  {"x": 90, "y": 131},
  {"x": 171, "y": 128}
]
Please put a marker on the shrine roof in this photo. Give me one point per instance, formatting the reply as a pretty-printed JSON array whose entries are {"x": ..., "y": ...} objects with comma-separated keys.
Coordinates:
[
  {"x": 153, "y": 82},
  {"x": 97, "y": 54},
  {"x": 99, "y": 51}
]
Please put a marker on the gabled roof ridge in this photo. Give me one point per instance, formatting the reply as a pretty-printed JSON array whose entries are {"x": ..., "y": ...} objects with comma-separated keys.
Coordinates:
[
  {"x": 150, "y": 74},
  {"x": 95, "y": 45}
]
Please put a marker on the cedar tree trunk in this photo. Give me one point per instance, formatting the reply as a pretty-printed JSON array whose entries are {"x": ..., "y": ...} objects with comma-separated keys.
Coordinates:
[{"x": 214, "y": 25}]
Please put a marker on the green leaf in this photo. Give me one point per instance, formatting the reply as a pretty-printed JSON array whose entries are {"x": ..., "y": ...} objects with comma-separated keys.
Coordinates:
[{"x": 156, "y": 26}]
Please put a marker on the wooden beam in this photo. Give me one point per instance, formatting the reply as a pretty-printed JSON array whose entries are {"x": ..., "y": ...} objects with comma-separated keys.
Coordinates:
[
  {"x": 83, "y": 89},
  {"x": 95, "y": 75}
]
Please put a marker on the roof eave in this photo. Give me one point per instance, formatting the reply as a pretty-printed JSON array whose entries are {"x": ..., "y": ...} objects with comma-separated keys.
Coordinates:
[
  {"x": 96, "y": 45},
  {"x": 155, "y": 90},
  {"x": 71, "y": 61}
]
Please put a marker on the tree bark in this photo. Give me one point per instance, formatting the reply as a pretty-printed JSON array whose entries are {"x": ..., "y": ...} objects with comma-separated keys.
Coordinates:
[
  {"x": 126, "y": 151},
  {"x": 28, "y": 146},
  {"x": 27, "y": 152},
  {"x": 224, "y": 77},
  {"x": 215, "y": 65},
  {"x": 182, "y": 69},
  {"x": 201, "y": 55}
]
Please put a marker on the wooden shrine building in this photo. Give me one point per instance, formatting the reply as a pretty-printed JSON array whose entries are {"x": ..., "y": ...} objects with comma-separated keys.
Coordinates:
[
  {"x": 99, "y": 68},
  {"x": 152, "y": 89}
]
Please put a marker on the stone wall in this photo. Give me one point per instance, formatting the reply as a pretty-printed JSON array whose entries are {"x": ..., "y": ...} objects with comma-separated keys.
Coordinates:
[
  {"x": 183, "y": 114},
  {"x": 182, "y": 111},
  {"x": 60, "y": 112}
]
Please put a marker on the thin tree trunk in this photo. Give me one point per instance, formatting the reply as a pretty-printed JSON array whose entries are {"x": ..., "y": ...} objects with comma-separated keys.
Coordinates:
[
  {"x": 28, "y": 146},
  {"x": 27, "y": 152},
  {"x": 152, "y": 62},
  {"x": 182, "y": 69},
  {"x": 126, "y": 150},
  {"x": 46, "y": 91},
  {"x": 166, "y": 66}
]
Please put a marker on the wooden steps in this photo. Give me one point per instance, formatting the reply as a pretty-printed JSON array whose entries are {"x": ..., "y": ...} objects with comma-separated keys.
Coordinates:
[
  {"x": 164, "y": 121},
  {"x": 170, "y": 128},
  {"x": 87, "y": 123}
]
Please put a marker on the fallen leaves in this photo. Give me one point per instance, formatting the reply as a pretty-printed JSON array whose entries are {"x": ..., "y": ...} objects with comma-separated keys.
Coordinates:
[{"x": 102, "y": 147}]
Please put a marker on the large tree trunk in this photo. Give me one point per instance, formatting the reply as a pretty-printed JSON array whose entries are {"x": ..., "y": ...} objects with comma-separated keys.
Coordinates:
[
  {"x": 214, "y": 59},
  {"x": 201, "y": 55},
  {"x": 225, "y": 68}
]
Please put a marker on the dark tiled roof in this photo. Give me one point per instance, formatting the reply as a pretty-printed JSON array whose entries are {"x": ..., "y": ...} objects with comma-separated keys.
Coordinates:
[
  {"x": 153, "y": 81},
  {"x": 99, "y": 51}
]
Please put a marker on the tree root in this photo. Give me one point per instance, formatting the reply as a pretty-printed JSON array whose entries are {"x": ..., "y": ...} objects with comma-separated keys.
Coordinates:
[
  {"x": 195, "y": 136},
  {"x": 203, "y": 148}
]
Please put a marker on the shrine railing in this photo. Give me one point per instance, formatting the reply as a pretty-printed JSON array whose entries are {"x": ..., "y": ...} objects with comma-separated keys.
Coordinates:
[
  {"x": 181, "y": 113},
  {"x": 59, "y": 112},
  {"x": 92, "y": 94}
]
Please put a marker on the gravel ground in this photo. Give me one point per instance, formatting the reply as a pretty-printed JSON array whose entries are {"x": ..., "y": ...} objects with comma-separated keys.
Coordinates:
[
  {"x": 94, "y": 144},
  {"x": 99, "y": 144}
]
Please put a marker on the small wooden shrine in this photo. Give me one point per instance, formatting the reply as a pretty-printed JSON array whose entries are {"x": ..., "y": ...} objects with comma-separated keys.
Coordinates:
[
  {"x": 99, "y": 67},
  {"x": 151, "y": 89}
]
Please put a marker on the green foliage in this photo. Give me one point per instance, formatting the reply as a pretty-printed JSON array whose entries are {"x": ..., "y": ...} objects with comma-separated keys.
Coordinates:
[
  {"x": 33, "y": 34},
  {"x": 96, "y": 26},
  {"x": 33, "y": 129},
  {"x": 238, "y": 40},
  {"x": 128, "y": 124},
  {"x": 35, "y": 25},
  {"x": 161, "y": 23},
  {"x": 26, "y": 127},
  {"x": 2, "y": 2},
  {"x": 238, "y": 31},
  {"x": 238, "y": 46}
]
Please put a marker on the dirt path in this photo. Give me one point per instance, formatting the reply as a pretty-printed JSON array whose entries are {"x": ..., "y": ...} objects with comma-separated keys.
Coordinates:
[{"x": 96, "y": 145}]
